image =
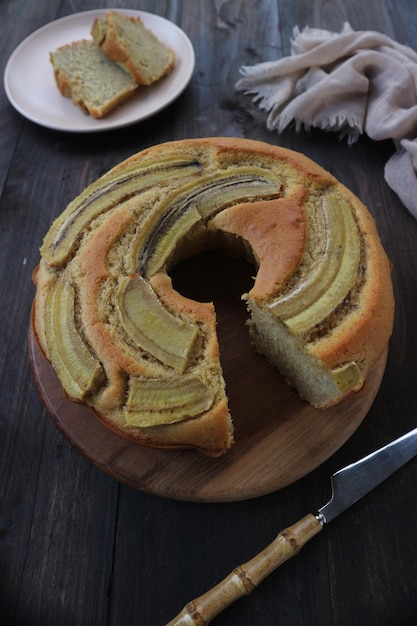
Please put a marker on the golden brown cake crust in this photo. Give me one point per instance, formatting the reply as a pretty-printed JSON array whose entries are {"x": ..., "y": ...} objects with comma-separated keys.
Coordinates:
[
  {"x": 276, "y": 237},
  {"x": 277, "y": 232}
]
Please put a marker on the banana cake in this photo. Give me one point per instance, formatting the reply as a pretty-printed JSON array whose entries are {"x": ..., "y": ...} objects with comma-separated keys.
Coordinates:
[
  {"x": 146, "y": 358},
  {"x": 126, "y": 40},
  {"x": 95, "y": 84}
]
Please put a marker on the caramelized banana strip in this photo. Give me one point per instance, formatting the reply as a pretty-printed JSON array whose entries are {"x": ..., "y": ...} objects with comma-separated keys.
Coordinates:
[
  {"x": 153, "y": 402},
  {"x": 78, "y": 370},
  {"x": 152, "y": 327},
  {"x": 348, "y": 376},
  {"x": 333, "y": 276},
  {"x": 101, "y": 196},
  {"x": 197, "y": 201}
]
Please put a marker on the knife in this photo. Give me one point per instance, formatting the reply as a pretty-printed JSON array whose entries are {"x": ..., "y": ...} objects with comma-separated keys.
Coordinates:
[{"x": 348, "y": 485}]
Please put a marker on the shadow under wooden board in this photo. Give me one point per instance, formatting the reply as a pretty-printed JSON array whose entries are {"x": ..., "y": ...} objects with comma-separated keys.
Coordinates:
[{"x": 278, "y": 437}]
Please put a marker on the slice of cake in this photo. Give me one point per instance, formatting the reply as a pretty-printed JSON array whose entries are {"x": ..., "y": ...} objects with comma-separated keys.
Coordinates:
[
  {"x": 85, "y": 74},
  {"x": 126, "y": 40}
]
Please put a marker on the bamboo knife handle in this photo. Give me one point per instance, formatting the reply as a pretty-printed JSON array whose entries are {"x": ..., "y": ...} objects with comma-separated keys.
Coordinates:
[{"x": 245, "y": 578}]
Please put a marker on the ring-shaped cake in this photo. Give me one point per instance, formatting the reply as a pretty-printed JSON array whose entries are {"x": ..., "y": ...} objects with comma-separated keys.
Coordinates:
[{"x": 146, "y": 358}]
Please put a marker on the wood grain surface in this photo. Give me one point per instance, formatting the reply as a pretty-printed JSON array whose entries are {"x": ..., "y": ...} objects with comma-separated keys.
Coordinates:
[
  {"x": 80, "y": 547},
  {"x": 279, "y": 438}
]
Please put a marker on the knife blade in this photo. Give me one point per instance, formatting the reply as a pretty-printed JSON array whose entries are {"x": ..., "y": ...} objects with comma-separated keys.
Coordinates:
[{"x": 348, "y": 485}]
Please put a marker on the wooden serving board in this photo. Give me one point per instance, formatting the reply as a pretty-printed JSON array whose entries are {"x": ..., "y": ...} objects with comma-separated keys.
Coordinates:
[{"x": 278, "y": 437}]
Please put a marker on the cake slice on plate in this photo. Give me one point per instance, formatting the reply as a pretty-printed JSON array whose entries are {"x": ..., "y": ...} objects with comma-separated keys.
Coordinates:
[
  {"x": 86, "y": 75},
  {"x": 126, "y": 40}
]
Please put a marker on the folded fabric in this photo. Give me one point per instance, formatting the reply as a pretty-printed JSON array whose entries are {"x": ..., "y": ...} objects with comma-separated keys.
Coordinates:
[{"x": 352, "y": 82}]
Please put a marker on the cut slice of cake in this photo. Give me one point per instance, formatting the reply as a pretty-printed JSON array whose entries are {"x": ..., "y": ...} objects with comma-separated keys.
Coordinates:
[
  {"x": 126, "y": 40},
  {"x": 86, "y": 75}
]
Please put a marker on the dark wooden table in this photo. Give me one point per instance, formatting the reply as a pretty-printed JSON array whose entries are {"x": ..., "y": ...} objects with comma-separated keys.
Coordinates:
[{"x": 76, "y": 546}]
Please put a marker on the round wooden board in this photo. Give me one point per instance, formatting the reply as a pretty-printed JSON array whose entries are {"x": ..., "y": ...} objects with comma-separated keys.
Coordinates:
[{"x": 278, "y": 437}]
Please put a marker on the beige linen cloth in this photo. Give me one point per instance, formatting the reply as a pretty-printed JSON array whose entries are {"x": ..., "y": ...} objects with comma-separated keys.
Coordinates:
[{"x": 352, "y": 82}]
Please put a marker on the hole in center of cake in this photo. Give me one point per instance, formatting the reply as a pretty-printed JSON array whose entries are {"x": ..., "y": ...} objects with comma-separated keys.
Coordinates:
[{"x": 213, "y": 276}]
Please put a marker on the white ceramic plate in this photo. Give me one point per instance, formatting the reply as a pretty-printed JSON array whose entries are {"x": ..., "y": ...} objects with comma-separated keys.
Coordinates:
[{"x": 30, "y": 85}]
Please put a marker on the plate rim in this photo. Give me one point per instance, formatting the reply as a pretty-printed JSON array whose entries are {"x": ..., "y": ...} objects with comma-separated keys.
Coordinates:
[{"x": 103, "y": 124}]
